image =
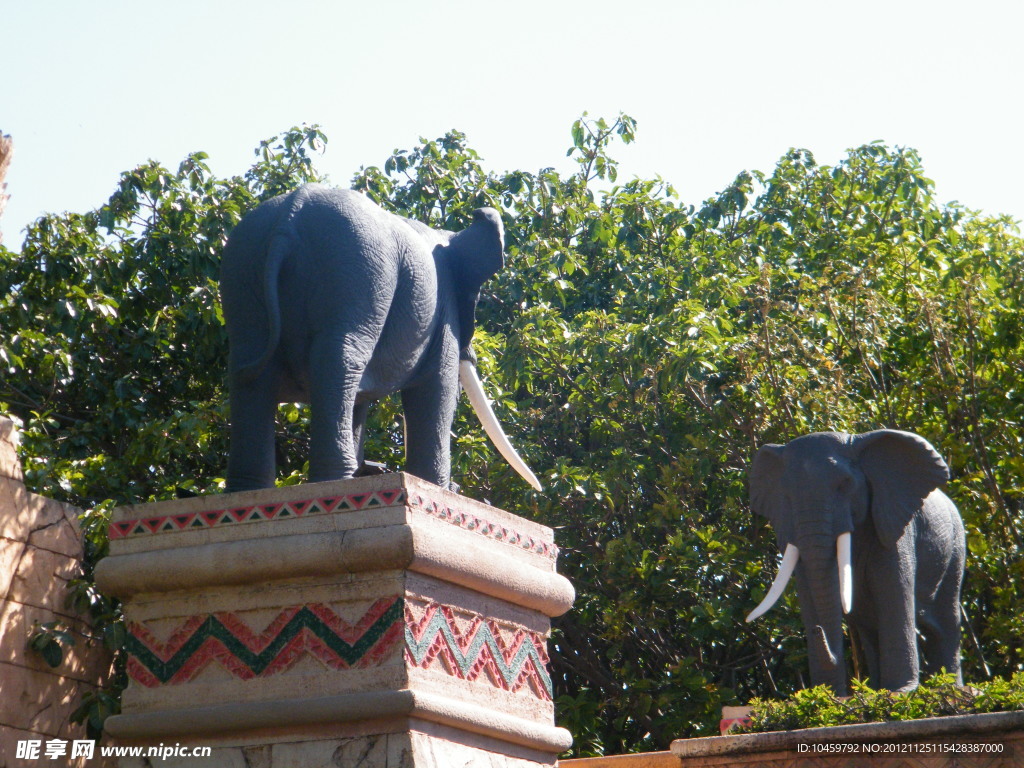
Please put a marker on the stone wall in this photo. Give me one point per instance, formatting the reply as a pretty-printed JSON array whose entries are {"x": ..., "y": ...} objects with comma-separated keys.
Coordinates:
[
  {"x": 40, "y": 550},
  {"x": 994, "y": 740}
]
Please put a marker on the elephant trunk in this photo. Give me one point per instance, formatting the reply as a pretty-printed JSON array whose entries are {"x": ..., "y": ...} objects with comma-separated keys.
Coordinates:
[
  {"x": 822, "y": 609},
  {"x": 831, "y": 662}
]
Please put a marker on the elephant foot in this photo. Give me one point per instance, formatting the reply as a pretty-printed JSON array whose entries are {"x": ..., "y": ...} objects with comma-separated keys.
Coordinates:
[{"x": 371, "y": 468}]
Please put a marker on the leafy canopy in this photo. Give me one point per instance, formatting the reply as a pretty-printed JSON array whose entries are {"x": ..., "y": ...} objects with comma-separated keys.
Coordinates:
[{"x": 638, "y": 350}]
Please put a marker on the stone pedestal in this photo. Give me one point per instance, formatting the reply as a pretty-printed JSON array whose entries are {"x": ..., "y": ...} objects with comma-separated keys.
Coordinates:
[{"x": 375, "y": 622}]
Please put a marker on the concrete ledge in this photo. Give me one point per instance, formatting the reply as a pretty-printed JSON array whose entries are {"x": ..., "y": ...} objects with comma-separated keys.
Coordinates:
[
  {"x": 231, "y": 563},
  {"x": 439, "y": 554},
  {"x": 238, "y": 719},
  {"x": 643, "y": 760},
  {"x": 903, "y": 731},
  {"x": 330, "y": 553},
  {"x": 780, "y": 748}
]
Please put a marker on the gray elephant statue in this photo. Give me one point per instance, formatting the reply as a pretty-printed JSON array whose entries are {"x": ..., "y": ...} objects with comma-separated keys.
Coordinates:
[
  {"x": 332, "y": 301},
  {"x": 867, "y": 531}
]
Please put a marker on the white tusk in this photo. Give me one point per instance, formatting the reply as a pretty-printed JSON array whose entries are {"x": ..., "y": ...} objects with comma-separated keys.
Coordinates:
[
  {"x": 482, "y": 407},
  {"x": 845, "y": 571},
  {"x": 779, "y": 585}
]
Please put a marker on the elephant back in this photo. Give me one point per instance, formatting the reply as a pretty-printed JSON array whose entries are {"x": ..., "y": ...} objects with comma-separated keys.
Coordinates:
[{"x": 250, "y": 266}]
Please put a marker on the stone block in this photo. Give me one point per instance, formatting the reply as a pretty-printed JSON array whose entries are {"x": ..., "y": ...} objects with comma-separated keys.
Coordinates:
[
  {"x": 42, "y": 522},
  {"x": 10, "y": 555},
  {"x": 337, "y": 619},
  {"x": 39, "y": 700},
  {"x": 63, "y": 535},
  {"x": 85, "y": 661},
  {"x": 42, "y": 577},
  {"x": 10, "y": 464}
]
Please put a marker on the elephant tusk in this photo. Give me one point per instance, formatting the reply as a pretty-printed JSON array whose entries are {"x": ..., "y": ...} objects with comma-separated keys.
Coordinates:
[
  {"x": 484, "y": 412},
  {"x": 845, "y": 571},
  {"x": 789, "y": 561}
]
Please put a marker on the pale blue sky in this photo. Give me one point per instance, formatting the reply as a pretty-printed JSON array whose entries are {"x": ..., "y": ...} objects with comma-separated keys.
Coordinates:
[{"x": 90, "y": 89}]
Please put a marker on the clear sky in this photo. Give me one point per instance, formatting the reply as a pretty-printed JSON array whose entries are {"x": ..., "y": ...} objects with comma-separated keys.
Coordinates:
[{"x": 91, "y": 89}]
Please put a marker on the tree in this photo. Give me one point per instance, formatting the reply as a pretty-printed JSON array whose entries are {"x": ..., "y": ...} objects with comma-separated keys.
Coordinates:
[{"x": 639, "y": 350}]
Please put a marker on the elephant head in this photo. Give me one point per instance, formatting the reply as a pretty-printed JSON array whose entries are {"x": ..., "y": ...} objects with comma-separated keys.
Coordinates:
[
  {"x": 816, "y": 491},
  {"x": 476, "y": 254}
]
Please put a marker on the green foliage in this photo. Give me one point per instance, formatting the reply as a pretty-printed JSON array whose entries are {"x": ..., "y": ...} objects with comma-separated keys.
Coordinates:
[
  {"x": 113, "y": 355},
  {"x": 638, "y": 350},
  {"x": 48, "y": 640},
  {"x": 95, "y": 707},
  {"x": 114, "y": 345},
  {"x": 938, "y": 696}
]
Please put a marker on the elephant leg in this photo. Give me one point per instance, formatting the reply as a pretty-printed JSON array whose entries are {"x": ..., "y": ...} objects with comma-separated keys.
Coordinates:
[
  {"x": 899, "y": 665},
  {"x": 941, "y": 629},
  {"x": 251, "y": 463},
  {"x": 429, "y": 411},
  {"x": 336, "y": 367},
  {"x": 868, "y": 639}
]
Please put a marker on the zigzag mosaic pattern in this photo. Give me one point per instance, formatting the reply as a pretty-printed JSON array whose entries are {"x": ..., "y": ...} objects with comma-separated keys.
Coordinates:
[
  {"x": 471, "y": 522},
  {"x": 298, "y": 631},
  {"x": 481, "y": 651},
  {"x": 219, "y": 517}
]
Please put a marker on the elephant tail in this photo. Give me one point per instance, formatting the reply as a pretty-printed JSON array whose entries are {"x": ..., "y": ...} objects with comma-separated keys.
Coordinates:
[{"x": 279, "y": 245}]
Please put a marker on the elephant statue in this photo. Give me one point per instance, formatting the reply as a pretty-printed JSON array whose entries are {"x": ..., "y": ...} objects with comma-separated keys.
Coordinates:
[
  {"x": 332, "y": 301},
  {"x": 867, "y": 531}
]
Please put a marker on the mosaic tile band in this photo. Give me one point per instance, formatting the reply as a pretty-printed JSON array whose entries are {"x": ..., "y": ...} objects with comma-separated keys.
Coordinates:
[
  {"x": 505, "y": 656},
  {"x": 471, "y": 522},
  {"x": 220, "y": 517},
  {"x": 510, "y": 658},
  {"x": 143, "y": 526},
  {"x": 298, "y": 631}
]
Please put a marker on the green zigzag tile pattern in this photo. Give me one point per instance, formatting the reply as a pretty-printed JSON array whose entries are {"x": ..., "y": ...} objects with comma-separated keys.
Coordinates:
[
  {"x": 147, "y": 666},
  {"x": 510, "y": 670}
]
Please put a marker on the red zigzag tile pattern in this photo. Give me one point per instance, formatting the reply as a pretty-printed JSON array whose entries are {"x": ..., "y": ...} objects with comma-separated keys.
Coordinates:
[
  {"x": 297, "y": 631},
  {"x": 232, "y": 515},
  {"x": 505, "y": 655}
]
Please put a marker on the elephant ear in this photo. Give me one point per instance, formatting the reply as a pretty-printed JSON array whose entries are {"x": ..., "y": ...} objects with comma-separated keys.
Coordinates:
[
  {"x": 476, "y": 254},
  {"x": 765, "y": 478},
  {"x": 901, "y": 470}
]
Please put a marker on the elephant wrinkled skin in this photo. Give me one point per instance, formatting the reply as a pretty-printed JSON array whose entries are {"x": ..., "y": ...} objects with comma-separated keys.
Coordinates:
[
  {"x": 330, "y": 300},
  {"x": 867, "y": 532}
]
